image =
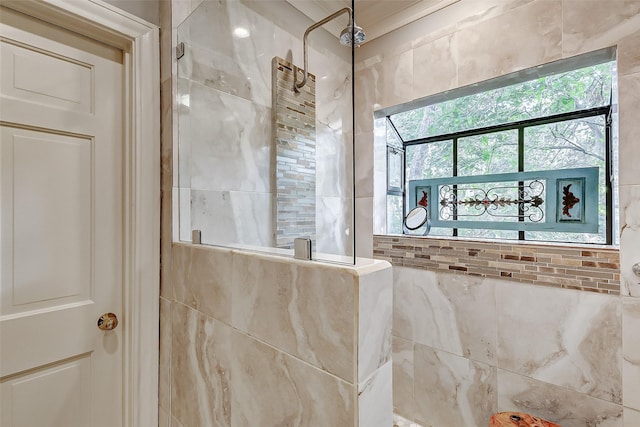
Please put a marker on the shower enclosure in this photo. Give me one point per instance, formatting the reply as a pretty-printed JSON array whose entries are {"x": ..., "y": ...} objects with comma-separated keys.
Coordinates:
[{"x": 265, "y": 128}]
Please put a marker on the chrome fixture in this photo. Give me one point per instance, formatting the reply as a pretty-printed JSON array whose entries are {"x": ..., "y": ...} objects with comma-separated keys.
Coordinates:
[
  {"x": 302, "y": 248},
  {"x": 352, "y": 35}
]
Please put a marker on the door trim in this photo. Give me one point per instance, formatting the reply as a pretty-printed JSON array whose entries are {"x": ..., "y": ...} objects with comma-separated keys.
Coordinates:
[{"x": 139, "y": 40}]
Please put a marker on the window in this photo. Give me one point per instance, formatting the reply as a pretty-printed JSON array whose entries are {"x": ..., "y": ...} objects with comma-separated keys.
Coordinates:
[{"x": 525, "y": 161}]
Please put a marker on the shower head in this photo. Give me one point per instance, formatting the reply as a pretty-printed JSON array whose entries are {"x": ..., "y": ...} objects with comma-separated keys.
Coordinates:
[
  {"x": 355, "y": 32},
  {"x": 352, "y": 35}
]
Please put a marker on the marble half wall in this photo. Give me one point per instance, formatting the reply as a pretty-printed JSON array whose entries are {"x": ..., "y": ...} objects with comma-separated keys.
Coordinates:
[
  {"x": 466, "y": 347},
  {"x": 260, "y": 340}
]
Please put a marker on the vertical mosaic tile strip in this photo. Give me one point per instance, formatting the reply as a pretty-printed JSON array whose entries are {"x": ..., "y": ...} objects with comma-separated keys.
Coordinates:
[
  {"x": 294, "y": 124},
  {"x": 570, "y": 267}
]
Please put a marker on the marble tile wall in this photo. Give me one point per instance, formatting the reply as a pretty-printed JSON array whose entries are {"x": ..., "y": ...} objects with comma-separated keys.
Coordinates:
[
  {"x": 264, "y": 340},
  {"x": 225, "y": 138},
  {"x": 554, "y": 350},
  {"x": 465, "y": 348}
]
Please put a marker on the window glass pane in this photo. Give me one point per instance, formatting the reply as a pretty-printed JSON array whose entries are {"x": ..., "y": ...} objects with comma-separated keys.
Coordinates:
[
  {"x": 569, "y": 144},
  {"x": 548, "y": 236},
  {"x": 564, "y": 145},
  {"x": 392, "y": 137},
  {"x": 488, "y": 154},
  {"x": 394, "y": 214},
  {"x": 395, "y": 167},
  {"x": 488, "y": 234},
  {"x": 433, "y": 160},
  {"x": 559, "y": 93}
]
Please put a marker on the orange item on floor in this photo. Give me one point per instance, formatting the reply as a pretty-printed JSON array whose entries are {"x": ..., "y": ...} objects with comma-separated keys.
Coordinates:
[{"x": 518, "y": 419}]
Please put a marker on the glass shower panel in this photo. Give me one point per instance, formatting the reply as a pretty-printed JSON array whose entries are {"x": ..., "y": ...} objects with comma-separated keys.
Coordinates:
[{"x": 260, "y": 163}]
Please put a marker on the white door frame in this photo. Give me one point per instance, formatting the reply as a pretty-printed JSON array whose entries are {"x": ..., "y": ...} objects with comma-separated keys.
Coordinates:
[{"x": 139, "y": 41}]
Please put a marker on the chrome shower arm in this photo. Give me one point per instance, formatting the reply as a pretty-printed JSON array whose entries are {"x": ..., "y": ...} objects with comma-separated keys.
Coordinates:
[{"x": 299, "y": 85}]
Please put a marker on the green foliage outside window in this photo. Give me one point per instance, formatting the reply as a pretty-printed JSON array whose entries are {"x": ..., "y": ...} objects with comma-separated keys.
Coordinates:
[{"x": 559, "y": 145}]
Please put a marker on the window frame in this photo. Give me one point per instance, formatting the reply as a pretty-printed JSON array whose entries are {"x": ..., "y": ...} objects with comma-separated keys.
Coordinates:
[{"x": 605, "y": 111}]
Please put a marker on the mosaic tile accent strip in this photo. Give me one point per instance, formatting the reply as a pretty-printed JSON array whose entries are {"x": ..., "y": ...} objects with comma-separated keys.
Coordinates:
[
  {"x": 570, "y": 267},
  {"x": 294, "y": 124}
]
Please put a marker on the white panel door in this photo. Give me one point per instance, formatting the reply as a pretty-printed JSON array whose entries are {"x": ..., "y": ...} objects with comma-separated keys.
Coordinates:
[{"x": 61, "y": 232}]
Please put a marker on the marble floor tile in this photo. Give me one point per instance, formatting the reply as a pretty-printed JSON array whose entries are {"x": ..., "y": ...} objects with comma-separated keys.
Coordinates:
[
  {"x": 558, "y": 404},
  {"x": 399, "y": 421}
]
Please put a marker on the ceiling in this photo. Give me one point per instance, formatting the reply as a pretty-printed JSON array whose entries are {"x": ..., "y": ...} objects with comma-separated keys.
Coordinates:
[{"x": 376, "y": 17}]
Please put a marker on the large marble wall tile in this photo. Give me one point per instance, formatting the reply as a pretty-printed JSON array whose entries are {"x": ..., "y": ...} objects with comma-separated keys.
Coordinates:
[
  {"x": 574, "y": 342},
  {"x": 167, "y": 216},
  {"x": 565, "y": 407},
  {"x": 449, "y": 312},
  {"x": 175, "y": 423},
  {"x": 403, "y": 398},
  {"x": 590, "y": 25},
  {"x": 396, "y": 78},
  {"x": 628, "y": 54},
  {"x": 453, "y": 391},
  {"x": 631, "y": 418},
  {"x": 629, "y": 128},
  {"x": 229, "y": 139},
  {"x": 379, "y": 138},
  {"x": 182, "y": 221},
  {"x": 333, "y": 222},
  {"x": 164, "y": 370},
  {"x": 364, "y": 164},
  {"x": 435, "y": 67},
  {"x": 364, "y": 227},
  {"x": 518, "y": 39},
  {"x": 629, "y": 239},
  {"x": 631, "y": 352},
  {"x": 375, "y": 305},
  {"x": 163, "y": 418},
  {"x": 301, "y": 308},
  {"x": 202, "y": 279},
  {"x": 273, "y": 389},
  {"x": 232, "y": 217},
  {"x": 334, "y": 159},
  {"x": 368, "y": 92},
  {"x": 200, "y": 369},
  {"x": 375, "y": 400},
  {"x": 333, "y": 89}
]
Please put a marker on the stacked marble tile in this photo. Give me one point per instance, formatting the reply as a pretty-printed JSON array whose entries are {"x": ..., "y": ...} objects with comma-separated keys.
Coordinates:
[
  {"x": 259, "y": 340},
  {"x": 294, "y": 123},
  {"x": 466, "y": 346}
]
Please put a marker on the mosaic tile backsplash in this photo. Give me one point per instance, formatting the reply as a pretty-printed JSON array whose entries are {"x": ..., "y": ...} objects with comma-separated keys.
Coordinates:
[{"x": 586, "y": 269}]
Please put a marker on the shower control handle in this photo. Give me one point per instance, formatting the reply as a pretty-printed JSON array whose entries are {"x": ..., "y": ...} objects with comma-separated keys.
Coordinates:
[{"x": 107, "y": 322}]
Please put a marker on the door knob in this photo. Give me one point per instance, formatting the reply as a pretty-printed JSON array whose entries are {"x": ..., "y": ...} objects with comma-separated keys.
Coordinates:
[{"x": 107, "y": 322}]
